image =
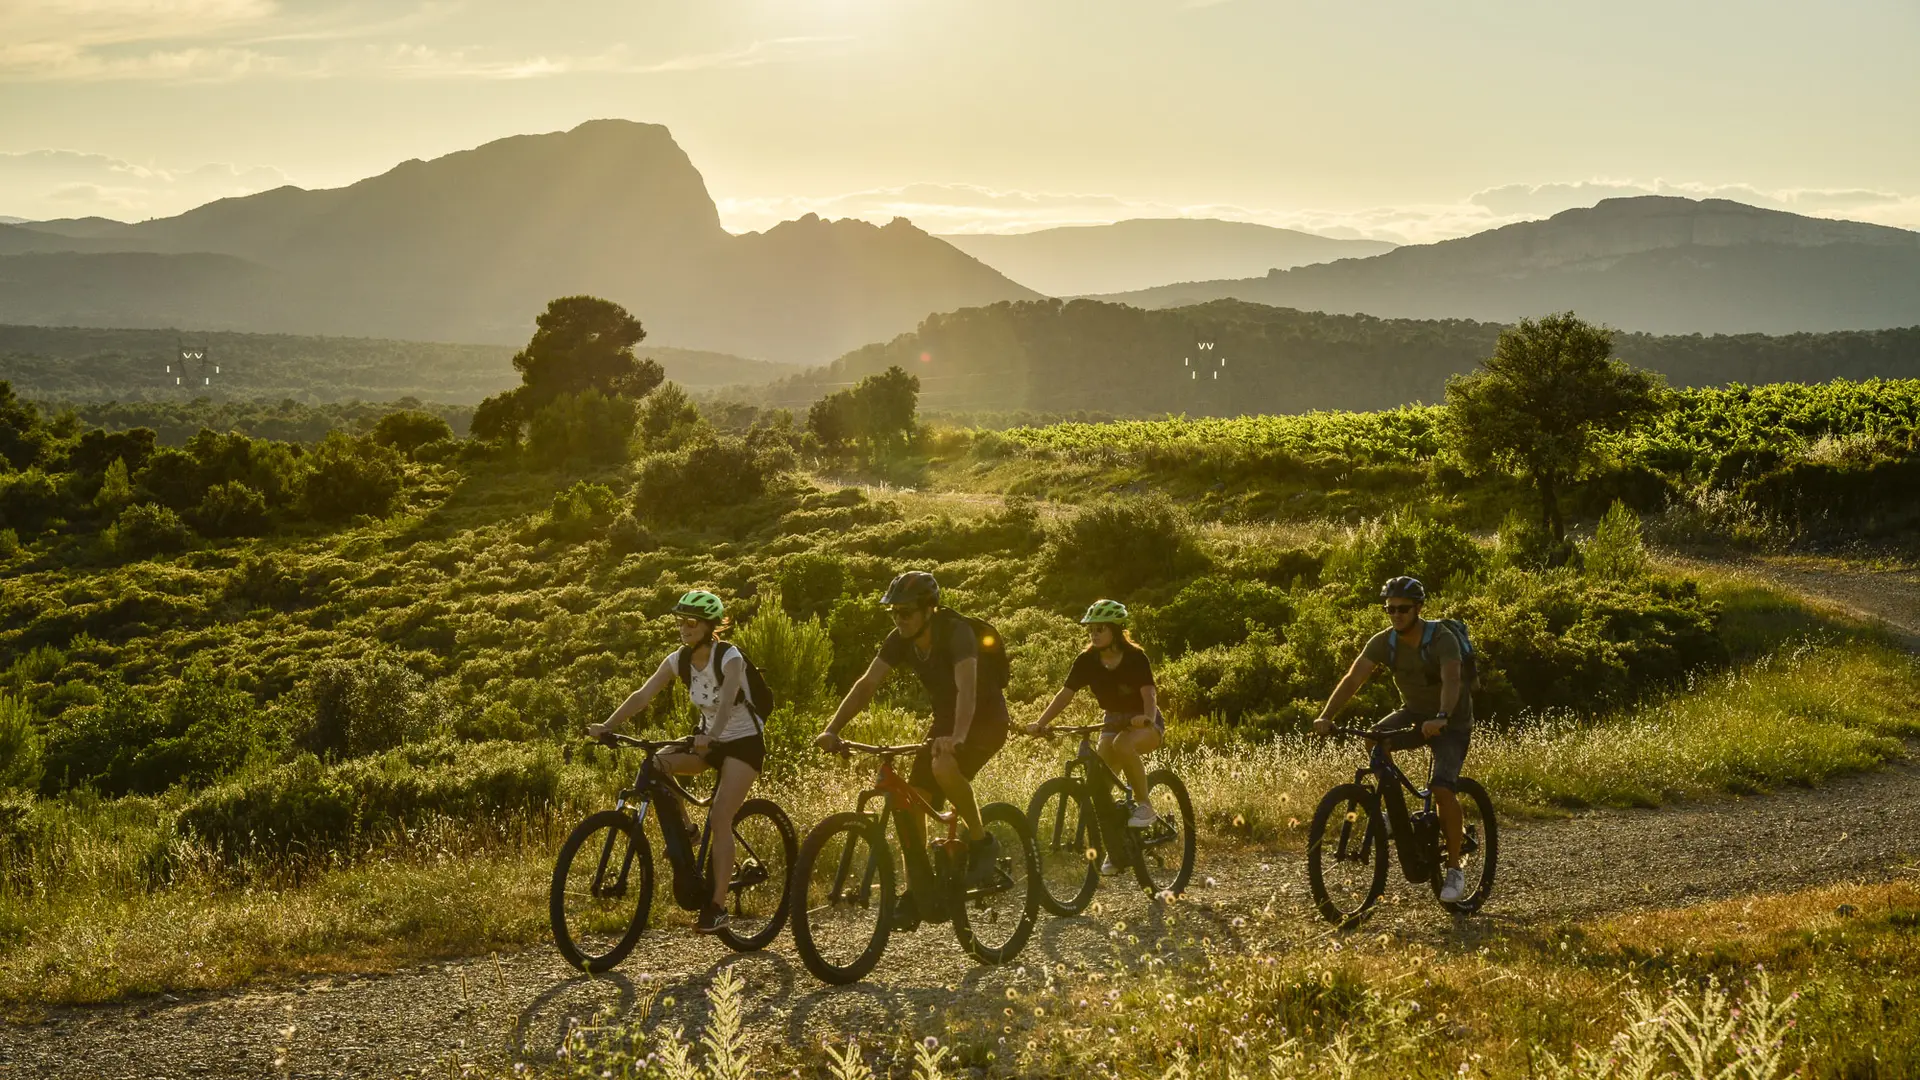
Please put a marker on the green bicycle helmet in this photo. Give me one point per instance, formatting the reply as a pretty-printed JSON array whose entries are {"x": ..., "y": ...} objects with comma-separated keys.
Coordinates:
[
  {"x": 700, "y": 604},
  {"x": 1106, "y": 611}
]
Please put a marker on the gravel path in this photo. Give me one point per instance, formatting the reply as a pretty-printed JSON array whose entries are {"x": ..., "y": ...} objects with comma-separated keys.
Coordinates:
[
  {"x": 501, "y": 1009},
  {"x": 516, "y": 1007}
]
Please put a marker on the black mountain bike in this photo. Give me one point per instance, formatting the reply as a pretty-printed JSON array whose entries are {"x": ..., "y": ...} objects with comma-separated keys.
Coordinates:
[
  {"x": 603, "y": 879},
  {"x": 846, "y": 873},
  {"x": 1347, "y": 842},
  {"x": 1078, "y": 823}
]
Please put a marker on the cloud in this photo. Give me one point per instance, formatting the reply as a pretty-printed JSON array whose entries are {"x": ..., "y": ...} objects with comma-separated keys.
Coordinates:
[{"x": 41, "y": 184}]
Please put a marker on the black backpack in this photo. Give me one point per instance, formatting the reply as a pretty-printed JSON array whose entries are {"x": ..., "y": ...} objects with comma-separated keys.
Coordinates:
[
  {"x": 1469, "y": 656},
  {"x": 994, "y": 670},
  {"x": 757, "y": 694}
]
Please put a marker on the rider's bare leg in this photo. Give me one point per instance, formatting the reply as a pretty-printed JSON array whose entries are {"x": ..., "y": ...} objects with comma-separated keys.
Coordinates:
[
  {"x": 954, "y": 784},
  {"x": 736, "y": 779},
  {"x": 1121, "y": 750}
]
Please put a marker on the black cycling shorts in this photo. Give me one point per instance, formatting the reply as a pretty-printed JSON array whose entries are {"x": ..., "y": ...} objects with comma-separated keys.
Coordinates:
[
  {"x": 985, "y": 736},
  {"x": 752, "y": 750},
  {"x": 1449, "y": 747}
]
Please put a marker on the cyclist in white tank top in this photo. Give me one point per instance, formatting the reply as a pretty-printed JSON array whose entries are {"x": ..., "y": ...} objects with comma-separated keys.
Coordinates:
[{"x": 729, "y": 739}]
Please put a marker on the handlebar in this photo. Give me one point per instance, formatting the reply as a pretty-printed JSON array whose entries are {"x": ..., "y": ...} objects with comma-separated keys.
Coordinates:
[
  {"x": 1073, "y": 729},
  {"x": 1360, "y": 733},
  {"x": 651, "y": 746},
  {"x": 849, "y": 746}
]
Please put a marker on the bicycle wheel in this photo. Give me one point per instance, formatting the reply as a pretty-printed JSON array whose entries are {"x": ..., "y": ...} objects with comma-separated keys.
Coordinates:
[
  {"x": 1066, "y": 840},
  {"x": 994, "y": 921},
  {"x": 844, "y": 882},
  {"x": 764, "y": 851},
  {"x": 1480, "y": 849},
  {"x": 1346, "y": 854},
  {"x": 602, "y": 890},
  {"x": 1163, "y": 851}
]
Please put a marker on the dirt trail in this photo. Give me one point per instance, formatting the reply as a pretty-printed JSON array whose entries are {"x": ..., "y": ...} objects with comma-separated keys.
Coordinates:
[{"x": 516, "y": 1007}]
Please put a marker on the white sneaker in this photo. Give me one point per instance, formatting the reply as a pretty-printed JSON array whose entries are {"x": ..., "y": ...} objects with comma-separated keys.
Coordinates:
[
  {"x": 1143, "y": 816},
  {"x": 1107, "y": 867},
  {"x": 1455, "y": 887}
]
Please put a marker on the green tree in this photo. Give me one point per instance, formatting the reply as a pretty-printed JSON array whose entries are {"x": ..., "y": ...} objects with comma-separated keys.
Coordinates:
[
  {"x": 579, "y": 343},
  {"x": 877, "y": 411},
  {"x": 1540, "y": 402},
  {"x": 24, "y": 438},
  {"x": 116, "y": 488},
  {"x": 668, "y": 419},
  {"x": 410, "y": 429},
  {"x": 20, "y": 746}
]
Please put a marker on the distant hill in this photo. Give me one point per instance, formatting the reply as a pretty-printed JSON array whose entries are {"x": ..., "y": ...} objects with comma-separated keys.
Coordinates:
[
  {"x": 93, "y": 364},
  {"x": 472, "y": 245},
  {"x": 1085, "y": 355},
  {"x": 1078, "y": 260},
  {"x": 1654, "y": 263}
]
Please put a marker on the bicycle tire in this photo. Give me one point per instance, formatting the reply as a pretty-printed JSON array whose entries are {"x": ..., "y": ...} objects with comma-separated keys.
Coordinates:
[
  {"x": 871, "y": 830},
  {"x": 1373, "y": 848},
  {"x": 566, "y": 937},
  {"x": 1143, "y": 857},
  {"x": 1487, "y": 853},
  {"x": 1011, "y": 820},
  {"x": 1066, "y": 836},
  {"x": 789, "y": 853}
]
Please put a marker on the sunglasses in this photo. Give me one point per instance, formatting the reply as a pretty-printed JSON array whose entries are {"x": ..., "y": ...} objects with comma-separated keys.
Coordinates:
[
  {"x": 902, "y": 614},
  {"x": 1399, "y": 609}
]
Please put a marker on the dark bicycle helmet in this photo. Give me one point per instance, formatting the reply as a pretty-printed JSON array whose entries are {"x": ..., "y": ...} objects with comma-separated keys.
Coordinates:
[
  {"x": 1404, "y": 588},
  {"x": 915, "y": 587}
]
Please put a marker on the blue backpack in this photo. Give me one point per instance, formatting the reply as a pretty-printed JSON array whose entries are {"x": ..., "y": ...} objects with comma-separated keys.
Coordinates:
[{"x": 1469, "y": 657}]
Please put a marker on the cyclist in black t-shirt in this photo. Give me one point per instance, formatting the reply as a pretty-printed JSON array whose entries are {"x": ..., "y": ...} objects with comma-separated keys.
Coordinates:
[
  {"x": 1122, "y": 682},
  {"x": 969, "y": 717}
]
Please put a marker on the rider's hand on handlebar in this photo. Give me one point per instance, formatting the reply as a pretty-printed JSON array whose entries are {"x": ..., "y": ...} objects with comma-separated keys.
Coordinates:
[
  {"x": 828, "y": 741},
  {"x": 1432, "y": 728},
  {"x": 599, "y": 731},
  {"x": 945, "y": 745},
  {"x": 701, "y": 742},
  {"x": 1322, "y": 726}
]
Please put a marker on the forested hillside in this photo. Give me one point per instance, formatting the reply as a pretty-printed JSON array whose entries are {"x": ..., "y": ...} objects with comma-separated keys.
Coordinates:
[
  {"x": 1229, "y": 357},
  {"x": 51, "y": 363}
]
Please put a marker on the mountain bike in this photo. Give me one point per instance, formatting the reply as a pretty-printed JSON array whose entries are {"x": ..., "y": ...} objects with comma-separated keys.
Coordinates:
[
  {"x": 600, "y": 903},
  {"x": 1347, "y": 842},
  {"x": 844, "y": 880},
  {"x": 1078, "y": 824}
]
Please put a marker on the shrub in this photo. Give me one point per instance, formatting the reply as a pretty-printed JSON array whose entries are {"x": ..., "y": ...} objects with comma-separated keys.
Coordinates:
[
  {"x": 20, "y": 746},
  {"x": 270, "y": 579},
  {"x": 856, "y": 627},
  {"x": 9, "y": 543},
  {"x": 410, "y": 429},
  {"x": 795, "y": 657},
  {"x": 363, "y": 706},
  {"x": 1120, "y": 544},
  {"x": 145, "y": 529},
  {"x": 1616, "y": 550},
  {"x": 668, "y": 419},
  {"x": 1442, "y": 556},
  {"x": 627, "y": 536},
  {"x": 709, "y": 472},
  {"x": 202, "y": 730},
  {"x": 29, "y": 501},
  {"x": 232, "y": 509},
  {"x": 349, "y": 476},
  {"x": 309, "y": 807},
  {"x": 1211, "y": 611},
  {"x": 587, "y": 428},
  {"x": 1529, "y": 545},
  {"x": 576, "y": 512},
  {"x": 116, "y": 488},
  {"x": 810, "y": 583}
]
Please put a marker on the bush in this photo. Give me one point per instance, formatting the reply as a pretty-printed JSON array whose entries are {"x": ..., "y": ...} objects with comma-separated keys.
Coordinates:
[
  {"x": 796, "y": 658},
  {"x": 668, "y": 419},
  {"x": 307, "y": 806},
  {"x": 576, "y": 512},
  {"x": 856, "y": 627},
  {"x": 709, "y": 472},
  {"x": 349, "y": 476},
  {"x": 202, "y": 730},
  {"x": 1616, "y": 550},
  {"x": 1211, "y": 611},
  {"x": 232, "y": 509},
  {"x": 810, "y": 583},
  {"x": 29, "y": 501},
  {"x": 367, "y": 705},
  {"x": 1442, "y": 556},
  {"x": 145, "y": 529},
  {"x": 1529, "y": 545},
  {"x": 20, "y": 746},
  {"x": 1118, "y": 545},
  {"x": 410, "y": 429},
  {"x": 584, "y": 429}
]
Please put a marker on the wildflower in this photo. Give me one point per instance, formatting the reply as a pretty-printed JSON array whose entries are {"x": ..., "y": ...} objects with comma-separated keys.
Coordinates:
[{"x": 931, "y": 1042}]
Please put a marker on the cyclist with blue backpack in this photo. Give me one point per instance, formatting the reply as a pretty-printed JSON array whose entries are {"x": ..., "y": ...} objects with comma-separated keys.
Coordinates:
[
  {"x": 1432, "y": 664},
  {"x": 723, "y": 685}
]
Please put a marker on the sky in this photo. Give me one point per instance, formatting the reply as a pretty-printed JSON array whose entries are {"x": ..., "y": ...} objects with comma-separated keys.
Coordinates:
[{"x": 1406, "y": 120}]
